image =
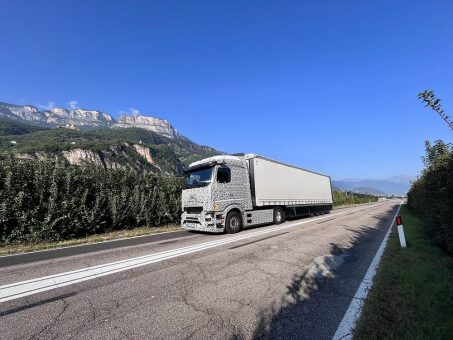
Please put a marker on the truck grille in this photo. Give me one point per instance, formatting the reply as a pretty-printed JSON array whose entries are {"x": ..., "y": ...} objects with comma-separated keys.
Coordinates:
[{"x": 193, "y": 210}]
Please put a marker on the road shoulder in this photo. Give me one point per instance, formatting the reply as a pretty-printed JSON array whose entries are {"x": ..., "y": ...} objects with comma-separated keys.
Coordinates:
[{"x": 413, "y": 293}]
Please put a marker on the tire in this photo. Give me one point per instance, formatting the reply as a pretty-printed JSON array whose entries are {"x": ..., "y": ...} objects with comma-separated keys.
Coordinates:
[
  {"x": 279, "y": 216},
  {"x": 233, "y": 222}
]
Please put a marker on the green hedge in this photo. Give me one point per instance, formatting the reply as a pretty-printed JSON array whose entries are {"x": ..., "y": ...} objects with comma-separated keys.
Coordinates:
[
  {"x": 431, "y": 195},
  {"x": 48, "y": 201},
  {"x": 345, "y": 198}
]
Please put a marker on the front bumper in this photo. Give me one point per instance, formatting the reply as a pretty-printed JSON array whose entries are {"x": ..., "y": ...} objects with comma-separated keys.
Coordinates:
[{"x": 205, "y": 221}]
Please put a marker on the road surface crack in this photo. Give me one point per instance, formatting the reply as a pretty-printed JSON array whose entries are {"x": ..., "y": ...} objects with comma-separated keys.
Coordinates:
[{"x": 46, "y": 330}]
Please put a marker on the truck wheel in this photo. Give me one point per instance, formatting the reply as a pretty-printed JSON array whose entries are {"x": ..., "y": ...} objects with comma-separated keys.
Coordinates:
[
  {"x": 279, "y": 216},
  {"x": 233, "y": 222}
]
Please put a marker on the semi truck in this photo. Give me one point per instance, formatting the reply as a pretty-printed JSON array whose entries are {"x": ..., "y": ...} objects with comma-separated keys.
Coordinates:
[{"x": 227, "y": 193}]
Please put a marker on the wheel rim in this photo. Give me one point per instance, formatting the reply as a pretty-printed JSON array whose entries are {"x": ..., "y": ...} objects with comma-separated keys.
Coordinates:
[
  {"x": 278, "y": 216},
  {"x": 234, "y": 222}
]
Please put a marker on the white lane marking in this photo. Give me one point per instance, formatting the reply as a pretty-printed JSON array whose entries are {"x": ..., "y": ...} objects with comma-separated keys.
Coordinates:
[
  {"x": 33, "y": 286},
  {"x": 347, "y": 324}
]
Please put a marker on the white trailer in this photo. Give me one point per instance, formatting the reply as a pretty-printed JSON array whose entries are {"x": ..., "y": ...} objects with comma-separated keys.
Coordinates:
[
  {"x": 229, "y": 192},
  {"x": 275, "y": 183}
]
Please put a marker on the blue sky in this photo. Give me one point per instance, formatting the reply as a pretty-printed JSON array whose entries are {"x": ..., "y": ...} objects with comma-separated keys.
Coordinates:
[{"x": 328, "y": 85}]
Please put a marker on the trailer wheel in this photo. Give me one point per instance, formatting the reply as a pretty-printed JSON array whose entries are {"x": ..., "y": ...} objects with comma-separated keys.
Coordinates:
[
  {"x": 279, "y": 216},
  {"x": 233, "y": 222}
]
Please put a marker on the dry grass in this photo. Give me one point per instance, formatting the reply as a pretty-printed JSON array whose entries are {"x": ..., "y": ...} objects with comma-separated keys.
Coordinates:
[
  {"x": 336, "y": 207},
  {"x": 114, "y": 235}
]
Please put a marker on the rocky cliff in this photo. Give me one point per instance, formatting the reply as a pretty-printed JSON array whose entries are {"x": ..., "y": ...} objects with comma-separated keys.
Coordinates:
[
  {"x": 160, "y": 126},
  {"x": 84, "y": 119}
]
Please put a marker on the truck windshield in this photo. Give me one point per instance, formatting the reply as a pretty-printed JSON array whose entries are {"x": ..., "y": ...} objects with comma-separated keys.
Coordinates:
[{"x": 199, "y": 177}]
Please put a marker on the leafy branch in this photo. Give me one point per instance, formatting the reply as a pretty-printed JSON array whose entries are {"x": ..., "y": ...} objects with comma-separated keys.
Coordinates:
[{"x": 429, "y": 98}]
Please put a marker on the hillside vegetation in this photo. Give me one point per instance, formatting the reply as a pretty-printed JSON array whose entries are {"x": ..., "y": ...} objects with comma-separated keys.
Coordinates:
[
  {"x": 8, "y": 127},
  {"x": 115, "y": 148}
]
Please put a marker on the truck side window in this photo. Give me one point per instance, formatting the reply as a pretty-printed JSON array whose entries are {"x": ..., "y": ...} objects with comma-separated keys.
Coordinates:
[{"x": 224, "y": 175}]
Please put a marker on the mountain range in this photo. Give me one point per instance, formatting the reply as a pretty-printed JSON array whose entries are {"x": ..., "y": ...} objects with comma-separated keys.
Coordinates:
[
  {"x": 393, "y": 186},
  {"x": 83, "y": 119},
  {"x": 81, "y": 137}
]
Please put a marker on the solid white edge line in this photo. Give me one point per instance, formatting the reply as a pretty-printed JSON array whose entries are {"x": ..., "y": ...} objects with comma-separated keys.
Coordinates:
[
  {"x": 29, "y": 287},
  {"x": 348, "y": 323}
]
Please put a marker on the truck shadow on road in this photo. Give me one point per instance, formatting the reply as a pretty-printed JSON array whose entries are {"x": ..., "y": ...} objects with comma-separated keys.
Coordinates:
[
  {"x": 36, "y": 304},
  {"x": 316, "y": 300}
]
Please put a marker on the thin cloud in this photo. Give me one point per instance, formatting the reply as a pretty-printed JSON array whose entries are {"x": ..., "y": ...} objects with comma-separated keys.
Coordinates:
[
  {"x": 73, "y": 105},
  {"x": 131, "y": 111},
  {"x": 49, "y": 106}
]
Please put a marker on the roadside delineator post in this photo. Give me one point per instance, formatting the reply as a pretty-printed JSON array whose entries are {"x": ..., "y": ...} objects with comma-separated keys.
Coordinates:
[{"x": 399, "y": 222}]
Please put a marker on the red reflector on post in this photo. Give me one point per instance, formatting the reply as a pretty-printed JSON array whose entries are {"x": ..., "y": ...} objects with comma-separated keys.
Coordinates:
[{"x": 399, "y": 220}]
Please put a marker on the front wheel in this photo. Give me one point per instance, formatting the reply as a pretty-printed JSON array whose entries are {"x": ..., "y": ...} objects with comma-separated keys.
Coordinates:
[
  {"x": 233, "y": 222},
  {"x": 279, "y": 216}
]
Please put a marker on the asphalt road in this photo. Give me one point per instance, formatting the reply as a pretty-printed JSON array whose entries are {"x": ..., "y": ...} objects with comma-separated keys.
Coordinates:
[{"x": 292, "y": 282}]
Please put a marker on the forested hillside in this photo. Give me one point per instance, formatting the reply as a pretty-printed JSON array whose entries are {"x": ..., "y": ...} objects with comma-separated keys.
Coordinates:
[
  {"x": 9, "y": 127},
  {"x": 126, "y": 148}
]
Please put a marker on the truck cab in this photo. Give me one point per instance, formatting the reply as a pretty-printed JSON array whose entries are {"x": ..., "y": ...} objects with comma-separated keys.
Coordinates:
[{"x": 215, "y": 187}]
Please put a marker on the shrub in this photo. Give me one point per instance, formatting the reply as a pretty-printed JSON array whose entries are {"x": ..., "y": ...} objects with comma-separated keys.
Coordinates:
[
  {"x": 349, "y": 197},
  {"x": 431, "y": 195}
]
